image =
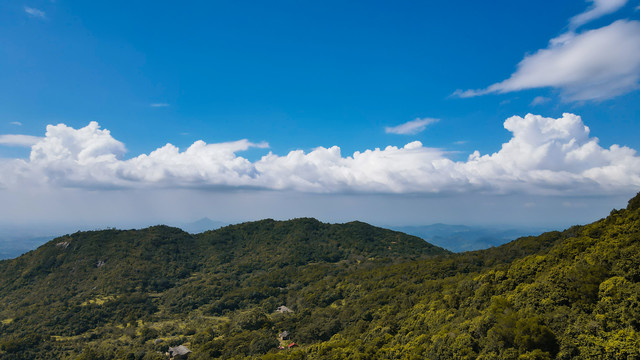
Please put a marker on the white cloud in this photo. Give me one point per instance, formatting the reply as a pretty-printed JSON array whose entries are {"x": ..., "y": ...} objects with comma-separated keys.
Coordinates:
[
  {"x": 19, "y": 140},
  {"x": 598, "y": 9},
  {"x": 17, "y": 123},
  {"x": 34, "y": 12},
  {"x": 84, "y": 146},
  {"x": 544, "y": 156},
  {"x": 539, "y": 100},
  {"x": 555, "y": 154},
  {"x": 593, "y": 65},
  {"x": 410, "y": 127},
  {"x": 159, "y": 105}
]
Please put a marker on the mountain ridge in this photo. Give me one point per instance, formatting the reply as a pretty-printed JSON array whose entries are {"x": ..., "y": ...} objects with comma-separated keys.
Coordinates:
[{"x": 351, "y": 290}]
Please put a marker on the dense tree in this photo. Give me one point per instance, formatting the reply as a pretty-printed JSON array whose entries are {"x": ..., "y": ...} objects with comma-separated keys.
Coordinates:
[{"x": 353, "y": 292}]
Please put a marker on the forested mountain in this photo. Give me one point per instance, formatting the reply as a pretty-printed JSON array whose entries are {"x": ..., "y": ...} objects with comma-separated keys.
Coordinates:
[{"x": 341, "y": 291}]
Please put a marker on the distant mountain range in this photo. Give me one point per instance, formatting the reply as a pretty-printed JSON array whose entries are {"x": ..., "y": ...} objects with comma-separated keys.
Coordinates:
[
  {"x": 458, "y": 238},
  {"x": 16, "y": 240},
  {"x": 201, "y": 225},
  {"x": 12, "y": 247}
]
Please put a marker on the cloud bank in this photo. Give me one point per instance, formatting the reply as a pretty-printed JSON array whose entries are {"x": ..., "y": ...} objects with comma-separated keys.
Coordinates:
[
  {"x": 544, "y": 156},
  {"x": 594, "y": 65}
]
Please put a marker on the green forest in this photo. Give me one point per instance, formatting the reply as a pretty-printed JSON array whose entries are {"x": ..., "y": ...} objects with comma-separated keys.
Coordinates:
[{"x": 302, "y": 289}]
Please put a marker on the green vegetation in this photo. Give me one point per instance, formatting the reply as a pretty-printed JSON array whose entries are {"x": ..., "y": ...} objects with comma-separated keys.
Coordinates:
[{"x": 355, "y": 292}]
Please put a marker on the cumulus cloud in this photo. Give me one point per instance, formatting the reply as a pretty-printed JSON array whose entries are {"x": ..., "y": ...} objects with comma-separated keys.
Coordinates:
[
  {"x": 410, "y": 127},
  {"x": 159, "y": 105},
  {"x": 83, "y": 146},
  {"x": 544, "y": 156},
  {"x": 594, "y": 65},
  {"x": 598, "y": 9},
  {"x": 34, "y": 12},
  {"x": 558, "y": 155},
  {"x": 19, "y": 140}
]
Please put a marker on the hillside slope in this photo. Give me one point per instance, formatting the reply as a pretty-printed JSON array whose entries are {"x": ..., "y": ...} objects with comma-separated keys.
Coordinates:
[
  {"x": 577, "y": 297},
  {"x": 351, "y": 291},
  {"x": 81, "y": 282}
]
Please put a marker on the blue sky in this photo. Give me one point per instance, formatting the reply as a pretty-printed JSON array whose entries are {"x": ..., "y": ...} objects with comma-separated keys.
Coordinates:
[{"x": 280, "y": 79}]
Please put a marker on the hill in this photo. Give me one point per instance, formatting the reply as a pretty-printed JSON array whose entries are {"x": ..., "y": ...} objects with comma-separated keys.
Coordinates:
[
  {"x": 349, "y": 291},
  {"x": 81, "y": 282}
]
